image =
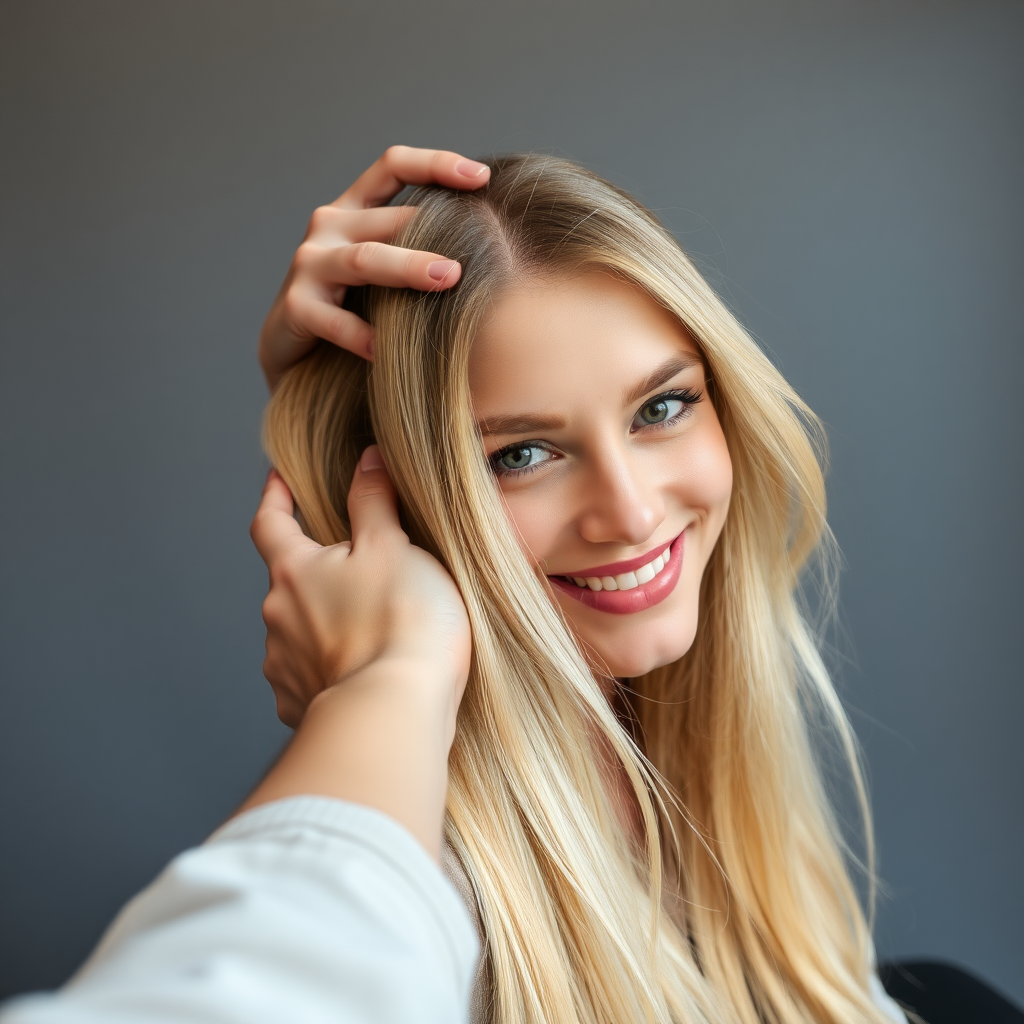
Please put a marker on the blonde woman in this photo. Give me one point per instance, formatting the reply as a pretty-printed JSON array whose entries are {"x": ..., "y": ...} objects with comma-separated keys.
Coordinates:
[
  {"x": 626, "y": 494},
  {"x": 542, "y": 623}
]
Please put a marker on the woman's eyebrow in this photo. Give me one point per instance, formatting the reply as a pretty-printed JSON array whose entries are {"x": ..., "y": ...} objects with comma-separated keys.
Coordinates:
[
  {"x": 520, "y": 424},
  {"x": 658, "y": 376}
]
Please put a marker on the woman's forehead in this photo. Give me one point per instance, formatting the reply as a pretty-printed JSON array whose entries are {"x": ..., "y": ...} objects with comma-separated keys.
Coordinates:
[{"x": 549, "y": 340}]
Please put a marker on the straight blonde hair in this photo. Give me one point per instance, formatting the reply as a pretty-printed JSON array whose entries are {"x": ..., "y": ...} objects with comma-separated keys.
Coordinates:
[{"x": 737, "y": 906}]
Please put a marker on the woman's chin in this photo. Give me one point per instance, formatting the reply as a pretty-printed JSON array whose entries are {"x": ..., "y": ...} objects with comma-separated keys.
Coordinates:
[
  {"x": 631, "y": 667},
  {"x": 633, "y": 654}
]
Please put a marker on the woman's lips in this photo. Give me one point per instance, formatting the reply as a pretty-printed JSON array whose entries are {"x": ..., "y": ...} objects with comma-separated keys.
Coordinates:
[{"x": 626, "y": 602}]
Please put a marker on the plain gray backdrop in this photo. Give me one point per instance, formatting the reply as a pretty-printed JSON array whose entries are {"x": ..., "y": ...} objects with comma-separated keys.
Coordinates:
[{"x": 850, "y": 175}]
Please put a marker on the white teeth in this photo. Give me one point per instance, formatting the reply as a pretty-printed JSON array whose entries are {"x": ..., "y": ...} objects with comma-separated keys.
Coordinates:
[
  {"x": 646, "y": 572},
  {"x": 626, "y": 580}
]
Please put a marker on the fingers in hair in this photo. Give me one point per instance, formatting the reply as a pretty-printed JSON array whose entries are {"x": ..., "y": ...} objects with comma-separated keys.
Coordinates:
[{"x": 405, "y": 165}]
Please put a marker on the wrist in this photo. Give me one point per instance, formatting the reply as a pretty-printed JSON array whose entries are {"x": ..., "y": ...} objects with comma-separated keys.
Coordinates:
[
  {"x": 423, "y": 676},
  {"x": 409, "y": 685}
]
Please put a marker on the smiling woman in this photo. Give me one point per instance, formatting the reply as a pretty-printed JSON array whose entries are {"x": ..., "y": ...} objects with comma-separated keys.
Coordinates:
[{"x": 626, "y": 493}]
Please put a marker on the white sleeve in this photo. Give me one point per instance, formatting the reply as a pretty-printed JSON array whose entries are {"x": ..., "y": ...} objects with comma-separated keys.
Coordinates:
[{"x": 309, "y": 910}]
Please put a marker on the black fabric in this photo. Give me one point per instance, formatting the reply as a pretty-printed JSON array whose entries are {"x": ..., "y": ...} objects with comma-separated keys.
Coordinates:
[{"x": 943, "y": 994}]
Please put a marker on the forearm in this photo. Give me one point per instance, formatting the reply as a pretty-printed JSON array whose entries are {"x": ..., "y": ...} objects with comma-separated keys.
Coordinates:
[{"x": 379, "y": 738}]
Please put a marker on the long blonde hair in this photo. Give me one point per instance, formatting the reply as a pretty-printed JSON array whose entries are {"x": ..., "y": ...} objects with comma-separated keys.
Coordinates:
[{"x": 737, "y": 906}]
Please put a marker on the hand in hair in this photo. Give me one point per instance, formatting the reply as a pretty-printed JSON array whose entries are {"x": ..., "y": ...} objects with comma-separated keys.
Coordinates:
[
  {"x": 346, "y": 244},
  {"x": 333, "y": 610},
  {"x": 368, "y": 650}
]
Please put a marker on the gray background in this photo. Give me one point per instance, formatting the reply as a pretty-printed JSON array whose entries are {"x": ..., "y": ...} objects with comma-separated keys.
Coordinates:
[{"x": 850, "y": 174}]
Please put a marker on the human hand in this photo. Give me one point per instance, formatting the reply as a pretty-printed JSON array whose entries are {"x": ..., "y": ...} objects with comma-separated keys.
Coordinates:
[
  {"x": 346, "y": 244},
  {"x": 379, "y": 599}
]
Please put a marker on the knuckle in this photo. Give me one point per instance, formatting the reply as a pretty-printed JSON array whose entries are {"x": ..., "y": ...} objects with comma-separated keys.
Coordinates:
[
  {"x": 322, "y": 217},
  {"x": 256, "y": 526},
  {"x": 370, "y": 492},
  {"x": 340, "y": 328},
  {"x": 270, "y": 610},
  {"x": 394, "y": 155},
  {"x": 364, "y": 254},
  {"x": 292, "y": 304},
  {"x": 304, "y": 256},
  {"x": 336, "y": 328}
]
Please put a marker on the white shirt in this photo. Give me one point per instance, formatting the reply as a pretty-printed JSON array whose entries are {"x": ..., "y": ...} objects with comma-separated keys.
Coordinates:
[{"x": 307, "y": 910}]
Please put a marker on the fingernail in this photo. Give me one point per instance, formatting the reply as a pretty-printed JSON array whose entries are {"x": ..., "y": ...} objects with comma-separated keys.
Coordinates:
[
  {"x": 440, "y": 269},
  {"x": 369, "y": 349},
  {"x": 470, "y": 168},
  {"x": 371, "y": 459}
]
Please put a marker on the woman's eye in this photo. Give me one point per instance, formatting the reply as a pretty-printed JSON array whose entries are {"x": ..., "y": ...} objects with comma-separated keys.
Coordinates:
[
  {"x": 518, "y": 458},
  {"x": 660, "y": 409},
  {"x": 666, "y": 408}
]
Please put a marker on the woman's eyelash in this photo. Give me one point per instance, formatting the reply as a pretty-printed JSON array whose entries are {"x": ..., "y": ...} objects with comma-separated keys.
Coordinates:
[{"x": 688, "y": 395}]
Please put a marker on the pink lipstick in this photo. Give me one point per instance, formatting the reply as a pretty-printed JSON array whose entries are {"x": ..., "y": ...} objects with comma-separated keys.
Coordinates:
[{"x": 635, "y": 599}]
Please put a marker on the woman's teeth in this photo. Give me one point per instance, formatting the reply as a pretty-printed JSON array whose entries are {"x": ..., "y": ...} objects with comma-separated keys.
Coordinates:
[{"x": 626, "y": 580}]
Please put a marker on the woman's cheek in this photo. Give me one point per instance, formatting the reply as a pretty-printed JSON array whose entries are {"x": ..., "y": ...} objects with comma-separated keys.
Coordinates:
[
  {"x": 705, "y": 475},
  {"x": 535, "y": 522},
  {"x": 719, "y": 474}
]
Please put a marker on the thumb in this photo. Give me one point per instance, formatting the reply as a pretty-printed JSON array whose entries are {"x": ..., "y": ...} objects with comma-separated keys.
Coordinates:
[
  {"x": 372, "y": 499},
  {"x": 274, "y": 529}
]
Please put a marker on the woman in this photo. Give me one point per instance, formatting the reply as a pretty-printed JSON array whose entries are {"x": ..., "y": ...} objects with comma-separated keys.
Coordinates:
[
  {"x": 622, "y": 487},
  {"x": 612, "y": 495}
]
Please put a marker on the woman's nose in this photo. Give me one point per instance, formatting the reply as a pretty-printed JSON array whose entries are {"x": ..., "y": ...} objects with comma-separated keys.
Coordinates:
[{"x": 621, "y": 501}]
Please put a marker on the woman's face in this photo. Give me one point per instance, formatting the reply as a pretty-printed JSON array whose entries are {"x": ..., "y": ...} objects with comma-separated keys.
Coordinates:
[{"x": 595, "y": 417}]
